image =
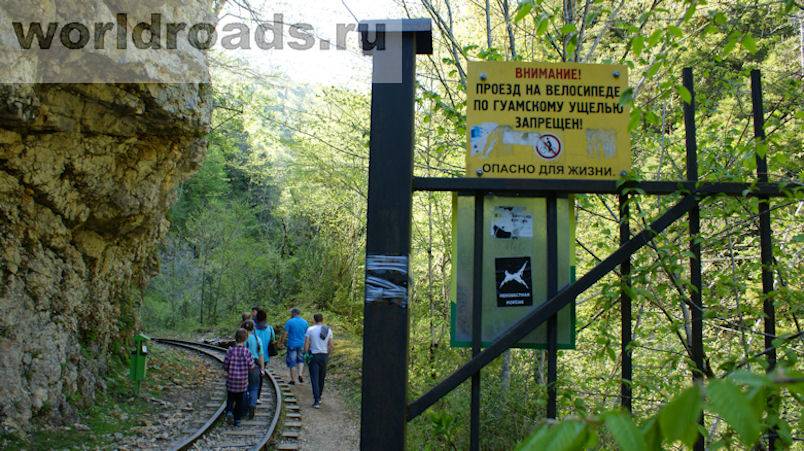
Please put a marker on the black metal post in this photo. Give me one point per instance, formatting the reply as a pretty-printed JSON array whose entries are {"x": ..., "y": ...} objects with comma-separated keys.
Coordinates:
[
  {"x": 695, "y": 301},
  {"x": 385, "y": 326},
  {"x": 552, "y": 289},
  {"x": 765, "y": 243},
  {"x": 625, "y": 308},
  {"x": 477, "y": 323}
]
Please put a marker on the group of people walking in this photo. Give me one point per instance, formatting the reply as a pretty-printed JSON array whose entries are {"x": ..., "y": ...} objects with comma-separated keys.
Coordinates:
[{"x": 256, "y": 342}]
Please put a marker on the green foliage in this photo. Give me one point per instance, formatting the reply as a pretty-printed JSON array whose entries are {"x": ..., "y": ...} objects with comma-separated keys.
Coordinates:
[
  {"x": 276, "y": 216},
  {"x": 210, "y": 183},
  {"x": 678, "y": 420},
  {"x": 565, "y": 436},
  {"x": 115, "y": 410},
  {"x": 444, "y": 427},
  {"x": 684, "y": 93},
  {"x": 523, "y": 10},
  {"x": 625, "y": 433},
  {"x": 726, "y": 400},
  {"x": 244, "y": 233},
  {"x": 721, "y": 41}
]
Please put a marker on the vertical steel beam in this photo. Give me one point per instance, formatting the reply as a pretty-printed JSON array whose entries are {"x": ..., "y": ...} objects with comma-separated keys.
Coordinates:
[
  {"x": 477, "y": 321},
  {"x": 765, "y": 243},
  {"x": 695, "y": 301},
  {"x": 552, "y": 289},
  {"x": 625, "y": 307},
  {"x": 385, "y": 326}
]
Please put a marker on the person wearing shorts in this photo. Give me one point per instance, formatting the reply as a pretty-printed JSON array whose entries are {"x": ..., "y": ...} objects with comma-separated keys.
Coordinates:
[{"x": 295, "y": 330}]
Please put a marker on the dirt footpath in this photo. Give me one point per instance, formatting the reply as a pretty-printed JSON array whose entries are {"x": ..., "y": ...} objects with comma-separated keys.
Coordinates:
[{"x": 332, "y": 427}]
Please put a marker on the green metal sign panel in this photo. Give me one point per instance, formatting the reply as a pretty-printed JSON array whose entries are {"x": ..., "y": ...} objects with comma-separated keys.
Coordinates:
[{"x": 514, "y": 267}]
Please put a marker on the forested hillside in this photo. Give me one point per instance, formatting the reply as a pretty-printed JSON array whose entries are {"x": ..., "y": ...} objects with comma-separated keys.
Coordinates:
[{"x": 276, "y": 215}]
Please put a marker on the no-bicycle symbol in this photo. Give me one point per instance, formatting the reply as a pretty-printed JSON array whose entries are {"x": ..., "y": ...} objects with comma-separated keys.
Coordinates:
[{"x": 550, "y": 147}]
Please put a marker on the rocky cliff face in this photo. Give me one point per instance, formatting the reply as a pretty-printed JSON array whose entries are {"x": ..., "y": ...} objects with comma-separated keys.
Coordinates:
[{"x": 86, "y": 176}]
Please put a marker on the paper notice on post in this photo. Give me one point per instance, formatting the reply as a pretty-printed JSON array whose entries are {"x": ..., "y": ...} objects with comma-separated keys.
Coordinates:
[{"x": 512, "y": 223}]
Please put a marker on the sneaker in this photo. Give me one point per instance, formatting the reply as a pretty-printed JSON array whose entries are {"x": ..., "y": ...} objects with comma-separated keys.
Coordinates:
[
  {"x": 317, "y": 405},
  {"x": 229, "y": 418},
  {"x": 301, "y": 380},
  {"x": 292, "y": 383},
  {"x": 259, "y": 401}
]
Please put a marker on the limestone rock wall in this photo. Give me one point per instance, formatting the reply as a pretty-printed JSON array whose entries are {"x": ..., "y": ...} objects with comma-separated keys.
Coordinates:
[{"x": 87, "y": 174}]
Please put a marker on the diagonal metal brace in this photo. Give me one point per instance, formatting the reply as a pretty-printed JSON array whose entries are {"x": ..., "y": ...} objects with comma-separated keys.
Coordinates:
[{"x": 541, "y": 314}]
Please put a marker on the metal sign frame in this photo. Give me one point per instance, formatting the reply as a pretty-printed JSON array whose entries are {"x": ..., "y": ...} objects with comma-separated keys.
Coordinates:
[
  {"x": 385, "y": 407},
  {"x": 567, "y": 344}
]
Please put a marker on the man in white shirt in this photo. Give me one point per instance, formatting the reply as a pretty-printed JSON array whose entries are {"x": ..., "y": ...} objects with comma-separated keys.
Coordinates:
[{"x": 318, "y": 341}]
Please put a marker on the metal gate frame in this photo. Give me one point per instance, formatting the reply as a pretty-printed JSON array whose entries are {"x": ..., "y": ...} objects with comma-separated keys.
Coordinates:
[{"x": 385, "y": 408}]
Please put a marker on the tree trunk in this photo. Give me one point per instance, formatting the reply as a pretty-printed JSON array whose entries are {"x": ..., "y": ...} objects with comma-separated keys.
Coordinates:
[
  {"x": 801, "y": 40},
  {"x": 509, "y": 28},
  {"x": 569, "y": 17},
  {"x": 488, "y": 24},
  {"x": 430, "y": 277},
  {"x": 203, "y": 291},
  {"x": 538, "y": 373},
  {"x": 505, "y": 372}
]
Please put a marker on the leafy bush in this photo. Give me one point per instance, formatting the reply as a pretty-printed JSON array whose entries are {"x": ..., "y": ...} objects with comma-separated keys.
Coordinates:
[{"x": 740, "y": 401}]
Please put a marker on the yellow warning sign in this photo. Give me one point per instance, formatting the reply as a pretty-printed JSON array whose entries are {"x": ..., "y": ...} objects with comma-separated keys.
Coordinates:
[{"x": 543, "y": 120}]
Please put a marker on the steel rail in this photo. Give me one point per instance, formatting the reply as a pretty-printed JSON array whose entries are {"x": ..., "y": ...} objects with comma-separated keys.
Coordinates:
[
  {"x": 263, "y": 442},
  {"x": 215, "y": 352}
]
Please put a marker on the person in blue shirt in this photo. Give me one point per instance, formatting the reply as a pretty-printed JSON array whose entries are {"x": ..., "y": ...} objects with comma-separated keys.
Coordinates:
[
  {"x": 255, "y": 347},
  {"x": 295, "y": 329},
  {"x": 266, "y": 334}
]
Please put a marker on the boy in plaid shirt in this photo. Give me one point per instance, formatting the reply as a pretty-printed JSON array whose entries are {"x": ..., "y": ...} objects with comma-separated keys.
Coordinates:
[{"x": 237, "y": 364}]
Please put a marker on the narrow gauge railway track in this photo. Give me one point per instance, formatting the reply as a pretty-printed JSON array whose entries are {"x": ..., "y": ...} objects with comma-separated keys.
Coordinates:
[{"x": 212, "y": 433}]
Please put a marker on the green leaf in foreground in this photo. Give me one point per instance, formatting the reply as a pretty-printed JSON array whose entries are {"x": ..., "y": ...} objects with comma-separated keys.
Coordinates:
[
  {"x": 679, "y": 418},
  {"x": 537, "y": 440},
  {"x": 651, "y": 434},
  {"x": 564, "y": 436},
  {"x": 625, "y": 432},
  {"x": 748, "y": 43},
  {"x": 726, "y": 400},
  {"x": 541, "y": 25},
  {"x": 522, "y": 11},
  {"x": 684, "y": 93}
]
